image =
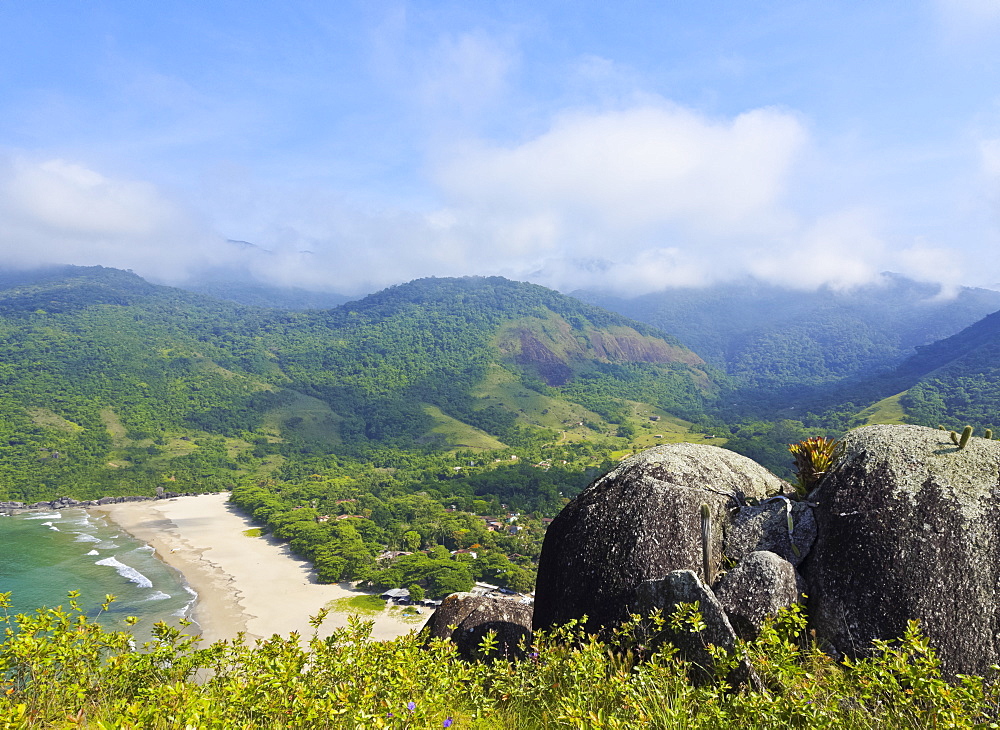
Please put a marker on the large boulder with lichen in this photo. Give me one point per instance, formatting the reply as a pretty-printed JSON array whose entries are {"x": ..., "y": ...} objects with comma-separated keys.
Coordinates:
[
  {"x": 467, "y": 619},
  {"x": 760, "y": 586},
  {"x": 780, "y": 525},
  {"x": 909, "y": 528},
  {"x": 666, "y": 596},
  {"x": 638, "y": 523}
]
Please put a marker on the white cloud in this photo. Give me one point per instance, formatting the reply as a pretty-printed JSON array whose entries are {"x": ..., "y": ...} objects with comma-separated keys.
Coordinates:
[
  {"x": 841, "y": 250},
  {"x": 634, "y": 169},
  {"x": 634, "y": 199},
  {"x": 929, "y": 263},
  {"x": 56, "y": 211},
  {"x": 67, "y": 198},
  {"x": 667, "y": 196}
]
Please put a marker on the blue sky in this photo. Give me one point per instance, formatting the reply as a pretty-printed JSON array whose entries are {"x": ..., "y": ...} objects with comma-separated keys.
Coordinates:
[{"x": 632, "y": 145}]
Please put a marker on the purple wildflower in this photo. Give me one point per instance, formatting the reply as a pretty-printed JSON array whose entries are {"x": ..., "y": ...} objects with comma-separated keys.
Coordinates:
[
  {"x": 447, "y": 722},
  {"x": 411, "y": 705}
]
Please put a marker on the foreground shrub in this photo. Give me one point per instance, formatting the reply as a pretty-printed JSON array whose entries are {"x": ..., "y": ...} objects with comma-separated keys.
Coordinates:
[{"x": 58, "y": 669}]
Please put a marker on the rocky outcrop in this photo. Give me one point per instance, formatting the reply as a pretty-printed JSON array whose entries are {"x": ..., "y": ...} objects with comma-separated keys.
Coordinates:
[
  {"x": 466, "y": 619},
  {"x": 756, "y": 589},
  {"x": 908, "y": 528},
  {"x": 666, "y": 595},
  {"x": 639, "y": 523},
  {"x": 765, "y": 527}
]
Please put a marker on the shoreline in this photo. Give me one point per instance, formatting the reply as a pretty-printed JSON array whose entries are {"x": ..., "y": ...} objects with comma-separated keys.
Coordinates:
[{"x": 249, "y": 584}]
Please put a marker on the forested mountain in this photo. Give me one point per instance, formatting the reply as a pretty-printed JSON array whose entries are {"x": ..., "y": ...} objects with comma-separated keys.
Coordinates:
[
  {"x": 952, "y": 382},
  {"x": 113, "y": 385},
  {"x": 774, "y": 337},
  {"x": 256, "y": 294},
  {"x": 425, "y": 415}
]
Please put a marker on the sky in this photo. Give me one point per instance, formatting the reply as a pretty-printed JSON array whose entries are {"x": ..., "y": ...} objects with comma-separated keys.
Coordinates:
[{"x": 628, "y": 146}]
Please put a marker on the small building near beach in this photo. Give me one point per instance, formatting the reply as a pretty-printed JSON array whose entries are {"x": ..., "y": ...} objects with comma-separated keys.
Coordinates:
[{"x": 399, "y": 595}]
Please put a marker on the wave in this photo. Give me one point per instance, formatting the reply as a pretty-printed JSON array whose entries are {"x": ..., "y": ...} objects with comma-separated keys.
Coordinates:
[
  {"x": 53, "y": 516},
  {"x": 86, "y": 537},
  {"x": 126, "y": 572},
  {"x": 93, "y": 552},
  {"x": 47, "y": 524},
  {"x": 53, "y": 527},
  {"x": 185, "y": 610},
  {"x": 145, "y": 549},
  {"x": 159, "y": 596}
]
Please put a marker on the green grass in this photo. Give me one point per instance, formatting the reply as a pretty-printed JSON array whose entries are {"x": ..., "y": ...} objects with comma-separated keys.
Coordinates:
[
  {"x": 457, "y": 434},
  {"x": 364, "y": 604},
  {"x": 886, "y": 411},
  {"x": 502, "y": 387},
  {"x": 48, "y": 418},
  {"x": 254, "y": 532},
  {"x": 408, "y": 614},
  {"x": 309, "y": 418}
]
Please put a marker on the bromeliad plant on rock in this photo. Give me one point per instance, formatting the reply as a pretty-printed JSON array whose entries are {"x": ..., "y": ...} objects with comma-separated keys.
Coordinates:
[{"x": 814, "y": 458}]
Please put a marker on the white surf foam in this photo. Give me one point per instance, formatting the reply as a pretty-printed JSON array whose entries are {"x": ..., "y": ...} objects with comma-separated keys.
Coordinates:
[
  {"x": 86, "y": 537},
  {"x": 93, "y": 552},
  {"x": 126, "y": 572},
  {"x": 159, "y": 596},
  {"x": 185, "y": 611},
  {"x": 52, "y": 516}
]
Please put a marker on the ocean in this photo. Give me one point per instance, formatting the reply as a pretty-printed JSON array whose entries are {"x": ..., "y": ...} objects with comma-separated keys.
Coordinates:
[{"x": 44, "y": 555}]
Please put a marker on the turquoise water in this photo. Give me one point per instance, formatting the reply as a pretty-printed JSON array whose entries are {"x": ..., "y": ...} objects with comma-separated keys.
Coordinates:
[{"x": 44, "y": 555}]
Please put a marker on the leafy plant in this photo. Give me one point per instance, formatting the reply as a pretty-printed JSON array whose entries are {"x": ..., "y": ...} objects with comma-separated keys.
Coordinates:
[
  {"x": 59, "y": 669},
  {"x": 814, "y": 458}
]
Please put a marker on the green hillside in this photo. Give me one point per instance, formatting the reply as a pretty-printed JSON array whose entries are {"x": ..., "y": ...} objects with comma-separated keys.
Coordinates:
[
  {"x": 952, "y": 382},
  {"x": 113, "y": 385},
  {"x": 957, "y": 380},
  {"x": 775, "y": 336}
]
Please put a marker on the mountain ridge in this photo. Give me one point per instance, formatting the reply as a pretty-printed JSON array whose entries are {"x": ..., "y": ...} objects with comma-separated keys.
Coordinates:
[{"x": 127, "y": 380}]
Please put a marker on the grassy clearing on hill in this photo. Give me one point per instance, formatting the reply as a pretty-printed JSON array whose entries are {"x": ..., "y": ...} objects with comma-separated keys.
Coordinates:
[
  {"x": 308, "y": 418},
  {"x": 500, "y": 386},
  {"x": 459, "y": 435},
  {"x": 886, "y": 411}
]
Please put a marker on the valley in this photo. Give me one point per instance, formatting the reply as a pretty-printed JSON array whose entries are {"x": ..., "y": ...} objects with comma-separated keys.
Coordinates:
[{"x": 435, "y": 406}]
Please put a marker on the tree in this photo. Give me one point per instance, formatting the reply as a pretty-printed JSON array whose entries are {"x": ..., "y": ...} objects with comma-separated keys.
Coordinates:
[
  {"x": 411, "y": 540},
  {"x": 448, "y": 578}
]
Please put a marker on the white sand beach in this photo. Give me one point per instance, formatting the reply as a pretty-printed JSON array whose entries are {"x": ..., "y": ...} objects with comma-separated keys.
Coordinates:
[{"x": 251, "y": 584}]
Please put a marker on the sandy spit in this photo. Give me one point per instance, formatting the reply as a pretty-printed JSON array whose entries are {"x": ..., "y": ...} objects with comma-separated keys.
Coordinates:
[{"x": 250, "y": 584}]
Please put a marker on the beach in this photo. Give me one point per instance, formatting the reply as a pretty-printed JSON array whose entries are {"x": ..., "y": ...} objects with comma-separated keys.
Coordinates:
[{"x": 244, "y": 583}]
